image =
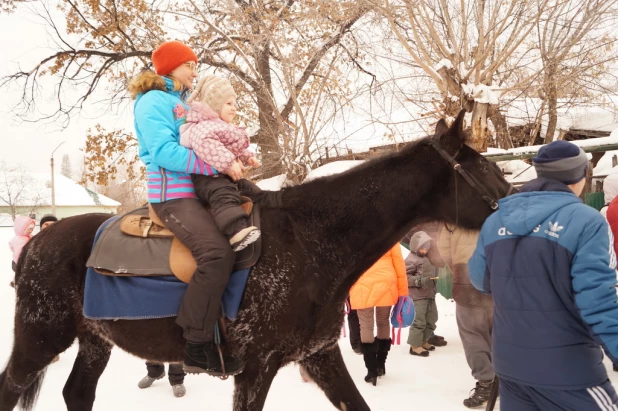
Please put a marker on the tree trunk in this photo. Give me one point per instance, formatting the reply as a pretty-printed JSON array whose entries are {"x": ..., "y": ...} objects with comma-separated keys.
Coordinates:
[
  {"x": 552, "y": 102},
  {"x": 501, "y": 127},
  {"x": 451, "y": 106},
  {"x": 479, "y": 127},
  {"x": 267, "y": 137},
  {"x": 537, "y": 124}
]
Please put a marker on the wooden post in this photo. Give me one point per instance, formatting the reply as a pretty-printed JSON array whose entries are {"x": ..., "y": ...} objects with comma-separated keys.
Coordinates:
[{"x": 588, "y": 186}]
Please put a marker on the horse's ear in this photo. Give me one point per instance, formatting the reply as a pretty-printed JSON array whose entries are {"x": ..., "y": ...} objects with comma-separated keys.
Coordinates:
[
  {"x": 454, "y": 137},
  {"x": 441, "y": 128},
  {"x": 457, "y": 128}
]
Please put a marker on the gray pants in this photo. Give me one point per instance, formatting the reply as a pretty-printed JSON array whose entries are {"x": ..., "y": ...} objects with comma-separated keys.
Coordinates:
[
  {"x": 425, "y": 319},
  {"x": 365, "y": 317},
  {"x": 475, "y": 325},
  {"x": 175, "y": 373}
]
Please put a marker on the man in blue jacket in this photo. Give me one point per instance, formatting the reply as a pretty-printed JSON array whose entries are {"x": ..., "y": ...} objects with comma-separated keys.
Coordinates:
[{"x": 548, "y": 262}]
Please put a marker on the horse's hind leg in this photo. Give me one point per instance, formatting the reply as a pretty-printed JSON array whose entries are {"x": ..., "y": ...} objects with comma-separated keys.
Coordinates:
[
  {"x": 36, "y": 345},
  {"x": 92, "y": 358},
  {"x": 327, "y": 369},
  {"x": 252, "y": 385}
]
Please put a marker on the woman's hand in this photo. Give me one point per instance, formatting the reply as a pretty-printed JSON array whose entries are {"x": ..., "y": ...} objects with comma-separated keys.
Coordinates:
[
  {"x": 235, "y": 171},
  {"x": 253, "y": 162}
]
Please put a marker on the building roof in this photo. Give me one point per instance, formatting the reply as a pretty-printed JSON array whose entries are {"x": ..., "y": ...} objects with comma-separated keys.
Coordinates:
[{"x": 37, "y": 191}]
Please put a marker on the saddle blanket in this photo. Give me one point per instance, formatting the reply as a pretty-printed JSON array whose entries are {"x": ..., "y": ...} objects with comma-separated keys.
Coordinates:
[{"x": 139, "y": 298}]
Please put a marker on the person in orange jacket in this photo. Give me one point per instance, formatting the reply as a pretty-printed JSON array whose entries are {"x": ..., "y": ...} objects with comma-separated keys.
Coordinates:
[{"x": 373, "y": 295}]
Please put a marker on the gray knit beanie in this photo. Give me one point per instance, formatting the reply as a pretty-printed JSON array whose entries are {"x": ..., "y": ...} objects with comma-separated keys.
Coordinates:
[
  {"x": 214, "y": 91},
  {"x": 562, "y": 161}
]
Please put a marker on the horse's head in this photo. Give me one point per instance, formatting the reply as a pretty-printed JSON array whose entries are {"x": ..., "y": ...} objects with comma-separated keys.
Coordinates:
[{"x": 475, "y": 185}]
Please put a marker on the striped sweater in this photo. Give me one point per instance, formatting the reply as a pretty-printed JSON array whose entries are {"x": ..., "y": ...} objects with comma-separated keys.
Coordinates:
[{"x": 158, "y": 117}]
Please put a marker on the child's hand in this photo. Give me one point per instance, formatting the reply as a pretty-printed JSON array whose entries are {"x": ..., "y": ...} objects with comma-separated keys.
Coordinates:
[
  {"x": 235, "y": 171},
  {"x": 253, "y": 162}
]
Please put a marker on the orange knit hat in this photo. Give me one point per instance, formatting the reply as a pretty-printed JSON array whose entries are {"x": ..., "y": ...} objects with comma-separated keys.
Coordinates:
[{"x": 170, "y": 55}]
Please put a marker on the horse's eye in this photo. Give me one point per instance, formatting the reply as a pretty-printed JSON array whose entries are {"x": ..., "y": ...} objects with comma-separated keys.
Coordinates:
[{"x": 484, "y": 168}]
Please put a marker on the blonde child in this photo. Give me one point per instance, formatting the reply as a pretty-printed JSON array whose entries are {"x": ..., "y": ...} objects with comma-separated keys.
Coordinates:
[{"x": 210, "y": 133}]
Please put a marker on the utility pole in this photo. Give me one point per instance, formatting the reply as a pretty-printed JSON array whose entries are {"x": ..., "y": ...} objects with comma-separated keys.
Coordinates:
[{"x": 53, "y": 192}]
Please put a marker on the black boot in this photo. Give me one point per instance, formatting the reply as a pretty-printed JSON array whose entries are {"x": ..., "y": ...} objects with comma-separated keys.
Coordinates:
[
  {"x": 371, "y": 361},
  {"x": 384, "y": 346},
  {"x": 203, "y": 357},
  {"x": 479, "y": 394}
]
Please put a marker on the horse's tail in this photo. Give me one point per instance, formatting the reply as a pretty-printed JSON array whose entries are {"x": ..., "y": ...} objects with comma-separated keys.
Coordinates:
[{"x": 29, "y": 397}]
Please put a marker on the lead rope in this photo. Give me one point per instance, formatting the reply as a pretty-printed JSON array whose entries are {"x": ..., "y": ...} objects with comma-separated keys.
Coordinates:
[
  {"x": 456, "y": 207},
  {"x": 220, "y": 352}
]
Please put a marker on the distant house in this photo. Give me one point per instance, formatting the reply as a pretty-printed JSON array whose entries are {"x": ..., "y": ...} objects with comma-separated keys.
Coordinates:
[{"x": 30, "y": 194}]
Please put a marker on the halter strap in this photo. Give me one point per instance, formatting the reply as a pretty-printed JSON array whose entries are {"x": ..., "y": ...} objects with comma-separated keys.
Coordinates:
[{"x": 470, "y": 179}]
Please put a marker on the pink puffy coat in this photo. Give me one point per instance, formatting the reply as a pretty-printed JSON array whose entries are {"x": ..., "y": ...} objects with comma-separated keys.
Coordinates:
[
  {"x": 18, "y": 242},
  {"x": 214, "y": 141}
]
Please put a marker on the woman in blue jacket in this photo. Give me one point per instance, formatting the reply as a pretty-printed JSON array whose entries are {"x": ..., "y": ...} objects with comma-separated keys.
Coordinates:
[{"x": 160, "y": 110}]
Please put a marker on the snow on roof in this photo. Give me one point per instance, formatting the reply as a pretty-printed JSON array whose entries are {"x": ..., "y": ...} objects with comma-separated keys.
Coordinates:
[
  {"x": 580, "y": 117},
  {"x": 335, "y": 167},
  {"x": 67, "y": 192},
  {"x": 604, "y": 166}
]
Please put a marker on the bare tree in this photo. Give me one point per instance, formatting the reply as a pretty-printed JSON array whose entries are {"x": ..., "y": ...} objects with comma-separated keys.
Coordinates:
[
  {"x": 479, "y": 53},
  {"x": 464, "y": 47},
  {"x": 575, "y": 42},
  {"x": 66, "y": 169},
  {"x": 19, "y": 190},
  {"x": 285, "y": 55}
]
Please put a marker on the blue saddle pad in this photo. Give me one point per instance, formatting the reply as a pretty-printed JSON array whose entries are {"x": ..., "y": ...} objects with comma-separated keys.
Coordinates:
[{"x": 137, "y": 298}]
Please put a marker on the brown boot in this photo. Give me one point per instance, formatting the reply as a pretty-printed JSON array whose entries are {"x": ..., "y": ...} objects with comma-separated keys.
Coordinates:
[
  {"x": 420, "y": 351},
  {"x": 437, "y": 340}
]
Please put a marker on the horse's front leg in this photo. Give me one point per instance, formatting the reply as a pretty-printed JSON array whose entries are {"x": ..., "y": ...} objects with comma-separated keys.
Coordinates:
[
  {"x": 327, "y": 369},
  {"x": 252, "y": 385}
]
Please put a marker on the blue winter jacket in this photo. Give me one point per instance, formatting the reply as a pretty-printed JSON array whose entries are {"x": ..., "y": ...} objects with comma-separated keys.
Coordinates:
[
  {"x": 158, "y": 117},
  {"x": 548, "y": 262}
]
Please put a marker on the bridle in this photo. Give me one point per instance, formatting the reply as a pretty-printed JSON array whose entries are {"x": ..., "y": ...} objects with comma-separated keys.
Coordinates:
[{"x": 470, "y": 179}]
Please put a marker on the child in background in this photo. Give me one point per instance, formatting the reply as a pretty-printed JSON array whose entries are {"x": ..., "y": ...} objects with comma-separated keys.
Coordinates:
[
  {"x": 422, "y": 289},
  {"x": 210, "y": 133},
  {"x": 23, "y": 227}
]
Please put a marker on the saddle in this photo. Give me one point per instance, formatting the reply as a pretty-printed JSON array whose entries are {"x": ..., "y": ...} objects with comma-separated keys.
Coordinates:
[{"x": 139, "y": 244}]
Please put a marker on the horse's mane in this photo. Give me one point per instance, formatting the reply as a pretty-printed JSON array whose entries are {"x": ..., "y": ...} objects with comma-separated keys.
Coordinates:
[{"x": 319, "y": 186}]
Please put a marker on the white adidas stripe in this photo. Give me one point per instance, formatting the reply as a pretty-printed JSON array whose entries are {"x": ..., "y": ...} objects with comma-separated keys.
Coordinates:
[
  {"x": 607, "y": 398},
  {"x": 602, "y": 399}
]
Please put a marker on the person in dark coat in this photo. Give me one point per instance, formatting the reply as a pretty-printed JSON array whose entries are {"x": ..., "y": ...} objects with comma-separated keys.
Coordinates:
[
  {"x": 156, "y": 371},
  {"x": 473, "y": 311},
  {"x": 548, "y": 262}
]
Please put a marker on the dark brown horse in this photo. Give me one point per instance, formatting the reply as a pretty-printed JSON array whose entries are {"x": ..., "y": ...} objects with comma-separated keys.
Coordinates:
[{"x": 319, "y": 238}]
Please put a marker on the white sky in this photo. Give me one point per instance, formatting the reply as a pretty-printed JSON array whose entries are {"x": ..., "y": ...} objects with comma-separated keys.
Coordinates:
[{"x": 23, "y": 41}]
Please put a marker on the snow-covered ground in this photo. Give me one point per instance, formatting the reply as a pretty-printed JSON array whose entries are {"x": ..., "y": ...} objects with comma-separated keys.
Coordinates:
[{"x": 439, "y": 382}]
